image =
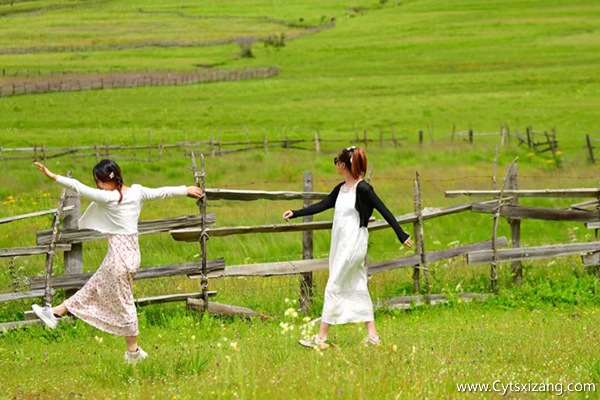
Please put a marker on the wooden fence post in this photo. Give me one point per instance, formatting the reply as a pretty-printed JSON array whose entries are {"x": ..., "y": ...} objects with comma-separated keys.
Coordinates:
[
  {"x": 421, "y": 138},
  {"x": 199, "y": 181},
  {"x": 420, "y": 238},
  {"x": 512, "y": 183},
  {"x": 418, "y": 246},
  {"x": 265, "y": 144},
  {"x": 48, "y": 292},
  {"x": 74, "y": 257},
  {"x": 306, "y": 279},
  {"x": 552, "y": 145},
  {"x": 470, "y": 135},
  {"x": 503, "y": 134},
  {"x": 317, "y": 145},
  {"x": 133, "y": 144},
  {"x": 15, "y": 281},
  {"x": 590, "y": 148}
]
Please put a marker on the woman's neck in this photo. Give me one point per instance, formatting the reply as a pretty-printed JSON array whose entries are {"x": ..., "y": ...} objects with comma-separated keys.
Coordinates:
[{"x": 350, "y": 180}]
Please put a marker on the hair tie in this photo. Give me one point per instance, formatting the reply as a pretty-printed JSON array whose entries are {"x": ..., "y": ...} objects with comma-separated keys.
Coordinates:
[{"x": 111, "y": 175}]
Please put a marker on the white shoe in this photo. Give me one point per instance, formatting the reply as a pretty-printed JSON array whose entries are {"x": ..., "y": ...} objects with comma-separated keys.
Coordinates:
[
  {"x": 372, "y": 341},
  {"x": 46, "y": 315},
  {"x": 315, "y": 342},
  {"x": 132, "y": 358}
]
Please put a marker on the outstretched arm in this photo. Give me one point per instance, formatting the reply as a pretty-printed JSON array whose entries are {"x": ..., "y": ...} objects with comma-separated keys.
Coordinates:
[
  {"x": 97, "y": 195},
  {"x": 171, "y": 191},
  {"x": 325, "y": 204},
  {"x": 389, "y": 217}
]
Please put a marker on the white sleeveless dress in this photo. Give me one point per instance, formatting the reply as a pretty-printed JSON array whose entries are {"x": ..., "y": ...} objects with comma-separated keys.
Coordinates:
[{"x": 347, "y": 296}]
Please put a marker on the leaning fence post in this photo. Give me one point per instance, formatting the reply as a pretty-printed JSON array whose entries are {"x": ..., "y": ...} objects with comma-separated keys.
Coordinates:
[
  {"x": 52, "y": 247},
  {"x": 306, "y": 278},
  {"x": 512, "y": 183},
  {"x": 74, "y": 257},
  {"x": 420, "y": 237},
  {"x": 590, "y": 148}
]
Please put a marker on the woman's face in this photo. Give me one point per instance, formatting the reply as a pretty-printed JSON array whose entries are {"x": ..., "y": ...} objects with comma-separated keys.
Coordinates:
[
  {"x": 105, "y": 185},
  {"x": 341, "y": 168}
]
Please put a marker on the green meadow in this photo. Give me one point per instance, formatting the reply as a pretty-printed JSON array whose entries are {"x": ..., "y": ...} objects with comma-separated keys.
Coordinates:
[{"x": 389, "y": 68}]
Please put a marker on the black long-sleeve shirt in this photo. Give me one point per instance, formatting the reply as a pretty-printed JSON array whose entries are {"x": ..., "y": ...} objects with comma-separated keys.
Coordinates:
[{"x": 366, "y": 201}]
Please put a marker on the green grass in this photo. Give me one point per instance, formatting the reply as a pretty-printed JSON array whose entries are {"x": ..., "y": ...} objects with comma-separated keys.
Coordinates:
[
  {"x": 425, "y": 354},
  {"x": 385, "y": 66}
]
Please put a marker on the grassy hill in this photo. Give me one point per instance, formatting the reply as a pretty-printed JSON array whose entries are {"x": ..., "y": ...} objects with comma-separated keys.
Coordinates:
[{"x": 344, "y": 67}]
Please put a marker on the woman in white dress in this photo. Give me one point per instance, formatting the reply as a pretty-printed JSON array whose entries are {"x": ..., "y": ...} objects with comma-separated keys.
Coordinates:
[
  {"x": 347, "y": 296},
  {"x": 106, "y": 300}
]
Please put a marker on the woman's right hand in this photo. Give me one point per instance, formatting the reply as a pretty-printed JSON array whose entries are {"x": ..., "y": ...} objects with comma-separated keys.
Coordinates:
[
  {"x": 45, "y": 170},
  {"x": 287, "y": 215}
]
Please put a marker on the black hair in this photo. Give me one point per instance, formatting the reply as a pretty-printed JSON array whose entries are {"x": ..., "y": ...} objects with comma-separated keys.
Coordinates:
[{"x": 109, "y": 171}]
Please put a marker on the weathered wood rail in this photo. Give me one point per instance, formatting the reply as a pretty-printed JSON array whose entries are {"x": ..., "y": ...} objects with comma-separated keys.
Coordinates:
[{"x": 144, "y": 228}]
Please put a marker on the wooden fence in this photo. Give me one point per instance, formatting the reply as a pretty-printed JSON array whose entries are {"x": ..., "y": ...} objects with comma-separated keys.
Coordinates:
[
  {"x": 502, "y": 203},
  {"x": 215, "y": 146},
  {"x": 54, "y": 84}
]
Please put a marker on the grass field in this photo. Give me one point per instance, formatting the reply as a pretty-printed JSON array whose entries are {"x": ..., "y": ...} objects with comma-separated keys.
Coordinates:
[{"x": 385, "y": 65}]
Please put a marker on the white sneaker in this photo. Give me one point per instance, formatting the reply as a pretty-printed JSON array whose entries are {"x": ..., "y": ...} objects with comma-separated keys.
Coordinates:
[
  {"x": 46, "y": 315},
  {"x": 132, "y": 358},
  {"x": 315, "y": 342}
]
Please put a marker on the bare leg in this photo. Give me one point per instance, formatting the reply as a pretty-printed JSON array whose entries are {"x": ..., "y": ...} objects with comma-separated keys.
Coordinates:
[
  {"x": 60, "y": 310},
  {"x": 323, "y": 330},
  {"x": 132, "y": 344},
  {"x": 371, "y": 331}
]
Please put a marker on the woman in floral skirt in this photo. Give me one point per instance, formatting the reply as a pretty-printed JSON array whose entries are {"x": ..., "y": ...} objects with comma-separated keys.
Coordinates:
[{"x": 106, "y": 300}]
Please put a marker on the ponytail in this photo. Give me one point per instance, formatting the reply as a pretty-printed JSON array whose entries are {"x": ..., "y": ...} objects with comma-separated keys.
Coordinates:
[{"x": 359, "y": 163}]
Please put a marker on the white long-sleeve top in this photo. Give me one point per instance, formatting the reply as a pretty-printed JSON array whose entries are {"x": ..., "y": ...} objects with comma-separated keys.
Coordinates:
[{"x": 105, "y": 213}]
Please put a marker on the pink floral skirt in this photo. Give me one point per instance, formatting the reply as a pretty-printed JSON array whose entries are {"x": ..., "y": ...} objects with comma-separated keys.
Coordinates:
[{"x": 106, "y": 300}]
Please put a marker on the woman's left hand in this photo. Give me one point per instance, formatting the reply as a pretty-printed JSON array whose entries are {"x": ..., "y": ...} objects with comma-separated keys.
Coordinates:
[
  {"x": 408, "y": 242},
  {"x": 194, "y": 192}
]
